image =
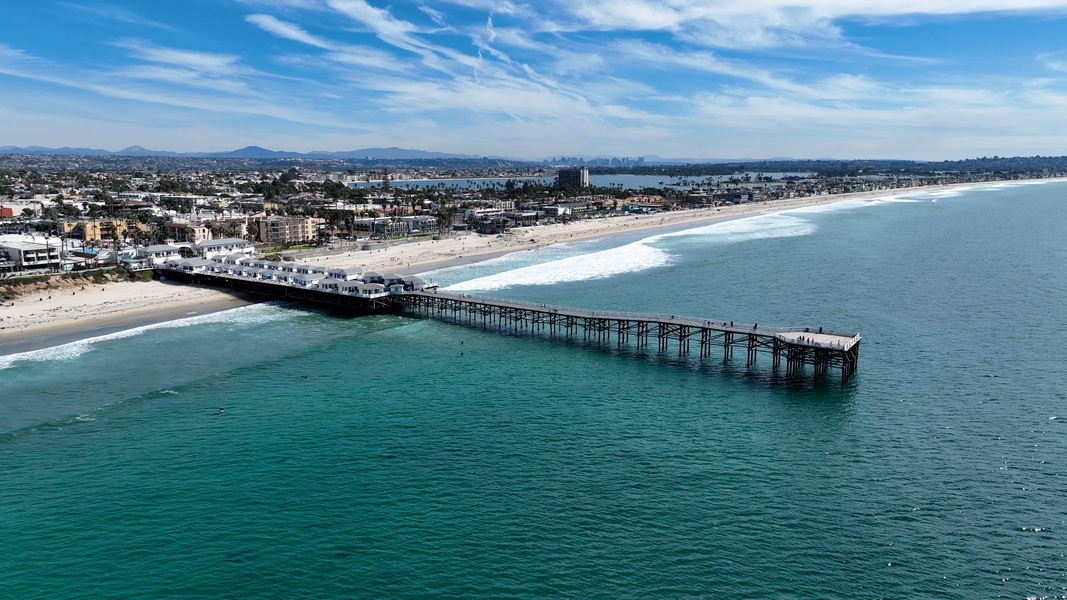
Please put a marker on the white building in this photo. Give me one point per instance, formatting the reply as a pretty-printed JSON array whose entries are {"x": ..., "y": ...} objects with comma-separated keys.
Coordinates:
[
  {"x": 212, "y": 248},
  {"x": 147, "y": 257},
  {"x": 19, "y": 254}
]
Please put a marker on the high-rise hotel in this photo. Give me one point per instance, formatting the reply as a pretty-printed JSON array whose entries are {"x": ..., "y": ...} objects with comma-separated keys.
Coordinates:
[{"x": 573, "y": 178}]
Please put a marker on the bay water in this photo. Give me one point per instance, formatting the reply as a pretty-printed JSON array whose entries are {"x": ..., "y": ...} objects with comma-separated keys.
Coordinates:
[{"x": 279, "y": 451}]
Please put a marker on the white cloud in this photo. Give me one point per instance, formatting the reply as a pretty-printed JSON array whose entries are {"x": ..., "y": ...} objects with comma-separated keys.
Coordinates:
[
  {"x": 288, "y": 31},
  {"x": 435, "y": 15},
  {"x": 114, "y": 13},
  {"x": 759, "y": 23},
  {"x": 1054, "y": 61},
  {"x": 500, "y": 7},
  {"x": 161, "y": 85},
  {"x": 207, "y": 62}
]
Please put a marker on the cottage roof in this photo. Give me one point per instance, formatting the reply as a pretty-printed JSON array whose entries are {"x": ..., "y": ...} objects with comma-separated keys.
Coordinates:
[
  {"x": 21, "y": 245},
  {"x": 222, "y": 242},
  {"x": 159, "y": 248}
]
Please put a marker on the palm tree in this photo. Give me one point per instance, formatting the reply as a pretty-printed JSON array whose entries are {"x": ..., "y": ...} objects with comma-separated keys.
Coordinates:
[{"x": 445, "y": 214}]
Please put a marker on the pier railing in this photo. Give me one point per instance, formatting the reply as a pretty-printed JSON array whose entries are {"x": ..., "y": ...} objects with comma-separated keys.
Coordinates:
[{"x": 799, "y": 346}]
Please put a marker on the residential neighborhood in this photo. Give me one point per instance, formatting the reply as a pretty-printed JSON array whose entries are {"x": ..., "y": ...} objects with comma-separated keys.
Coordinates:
[{"x": 71, "y": 218}]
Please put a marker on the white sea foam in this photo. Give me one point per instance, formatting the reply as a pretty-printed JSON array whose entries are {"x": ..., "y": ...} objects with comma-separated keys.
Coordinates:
[
  {"x": 761, "y": 227},
  {"x": 835, "y": 206},
  {"x": 901, "y": 199},
  {"x": 634, "y": 257},
  {"x": 256, "y": 313},
  {"x": 649, "y": 253}
]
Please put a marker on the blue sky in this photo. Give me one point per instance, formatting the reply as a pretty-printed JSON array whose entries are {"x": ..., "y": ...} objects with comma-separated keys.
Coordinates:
[{"x": 943, "y": 79}]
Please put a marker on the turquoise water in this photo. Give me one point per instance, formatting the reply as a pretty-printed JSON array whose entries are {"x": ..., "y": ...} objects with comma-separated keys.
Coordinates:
[{"x": 392, "y": 457}]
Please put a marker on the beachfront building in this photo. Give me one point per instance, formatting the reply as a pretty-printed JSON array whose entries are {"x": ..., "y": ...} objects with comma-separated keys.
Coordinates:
[
  {"x": 18, "y": 254},
  {"x": 364, "y": 290},
  {"x": 305, "y": 279},
  {"x": 148, "y": 257},
  {"x": 227, "y": 262},
  {"x": 345, "y": 274},
  {"x": 350, "y": 282},
  {"x": 422, "y": 224},
  {"x": 414, "y": 284},
  {"x": 474, "y": 214},
  {"x": 392, "y": 227},
  {"x": 493, "y": 225},
  {"x": 212, "y": 248},
  {"x": 278, "y": 230},
  {"x": 192, "y": 265},
  {"x": 319, "y": 271},
  {"x": 524, "y": 218}
]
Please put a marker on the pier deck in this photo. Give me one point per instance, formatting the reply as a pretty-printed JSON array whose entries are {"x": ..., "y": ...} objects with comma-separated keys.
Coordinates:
[{"x": 799, "y": 346}]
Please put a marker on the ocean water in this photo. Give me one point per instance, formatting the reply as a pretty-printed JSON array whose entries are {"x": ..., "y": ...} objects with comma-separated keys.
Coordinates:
[{"x": 395, "y": 457}]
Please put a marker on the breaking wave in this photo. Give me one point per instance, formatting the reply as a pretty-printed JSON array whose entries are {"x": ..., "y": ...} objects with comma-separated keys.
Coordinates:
[
  {"x": 649, "y": 253},
  {"x": 253, "y": 314}
]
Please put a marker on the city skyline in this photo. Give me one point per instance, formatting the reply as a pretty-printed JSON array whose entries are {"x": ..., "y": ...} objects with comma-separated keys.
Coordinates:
[{"x": 480, "y": 77}]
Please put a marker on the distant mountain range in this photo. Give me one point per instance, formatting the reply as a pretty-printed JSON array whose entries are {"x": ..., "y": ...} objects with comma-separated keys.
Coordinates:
[
  {"x": 259, "y": 153},
  {"x": 251, "y": 152},
  {"x": 655, "y": 159}
]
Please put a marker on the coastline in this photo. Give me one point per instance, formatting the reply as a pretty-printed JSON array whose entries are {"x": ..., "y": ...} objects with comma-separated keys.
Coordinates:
[{"x": 49, "y": 318}]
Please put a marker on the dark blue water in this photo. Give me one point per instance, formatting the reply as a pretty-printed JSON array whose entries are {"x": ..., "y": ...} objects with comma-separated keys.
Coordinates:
[{"x": 390, "y": 457}]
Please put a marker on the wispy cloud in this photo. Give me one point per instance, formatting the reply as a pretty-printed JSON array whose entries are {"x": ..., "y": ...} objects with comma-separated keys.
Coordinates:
[
  {"x": 204, "y": 62},
  {"x": 435, "y": 15},
  {"x": 111, "y": 13},
  {"x": 288, "y": 31},
  {"x": 760, "y": 24},
  {"x": 1056, "y": 61},
  {"x": 500, "y": 7},
  {"x": 477, "y": 75},
  {"x": 123, "y": 83}
]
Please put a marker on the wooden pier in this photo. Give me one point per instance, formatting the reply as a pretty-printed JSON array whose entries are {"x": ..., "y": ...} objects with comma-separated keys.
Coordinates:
[{"x": 798, "y": 346}]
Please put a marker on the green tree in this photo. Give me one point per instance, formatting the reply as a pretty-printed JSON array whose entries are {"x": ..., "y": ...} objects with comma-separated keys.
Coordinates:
[{"x": 445, "y": 214}]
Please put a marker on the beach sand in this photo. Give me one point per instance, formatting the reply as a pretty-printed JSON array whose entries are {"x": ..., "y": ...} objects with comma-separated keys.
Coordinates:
[
  {"x": 55, "y": 316},
  {"x": 49, "y": 317}
]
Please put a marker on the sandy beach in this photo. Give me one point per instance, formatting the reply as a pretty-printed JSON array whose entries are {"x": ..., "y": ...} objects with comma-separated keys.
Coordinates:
[{"x": 57, "y": 315}]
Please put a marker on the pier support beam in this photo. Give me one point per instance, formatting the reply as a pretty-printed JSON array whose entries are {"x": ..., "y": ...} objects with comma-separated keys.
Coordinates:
[{"x": 798, "y": 348}]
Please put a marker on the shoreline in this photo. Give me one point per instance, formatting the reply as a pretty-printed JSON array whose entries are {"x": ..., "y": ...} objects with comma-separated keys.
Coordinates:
[
  {"x": 49, "y": 318},
  {"x": 104, "y": 310}
]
